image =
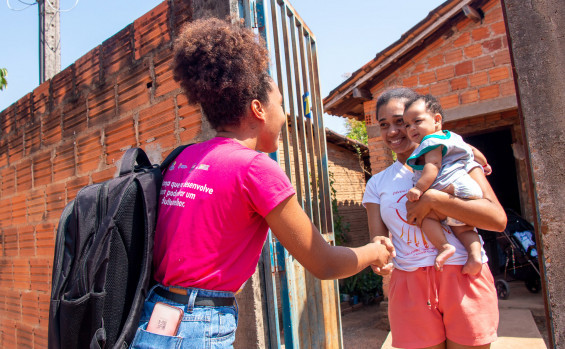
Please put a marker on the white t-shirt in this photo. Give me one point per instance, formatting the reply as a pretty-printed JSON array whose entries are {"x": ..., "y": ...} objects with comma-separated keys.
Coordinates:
[{"x": 388, "y": 189}]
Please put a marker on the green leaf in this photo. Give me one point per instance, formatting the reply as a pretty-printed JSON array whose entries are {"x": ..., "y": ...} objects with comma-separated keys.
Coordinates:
[
  {"x": 357, "y": 130},
  {"x": 3, "y": 81}
]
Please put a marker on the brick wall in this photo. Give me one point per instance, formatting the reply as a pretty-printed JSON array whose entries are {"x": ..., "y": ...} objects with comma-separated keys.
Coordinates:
[
  {"x": 69, "y": 132},
  {"x": 467, "y": 64},
  {"x": 349, "y": 183}
]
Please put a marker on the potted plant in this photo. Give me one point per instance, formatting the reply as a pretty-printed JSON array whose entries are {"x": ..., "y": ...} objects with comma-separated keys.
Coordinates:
[
  {"x": 349, "y": 289},
  {"x": 369, "y": 285}
]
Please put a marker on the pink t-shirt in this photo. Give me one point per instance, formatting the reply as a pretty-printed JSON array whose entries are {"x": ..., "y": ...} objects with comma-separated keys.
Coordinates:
[{"x": 211, "y": 226}]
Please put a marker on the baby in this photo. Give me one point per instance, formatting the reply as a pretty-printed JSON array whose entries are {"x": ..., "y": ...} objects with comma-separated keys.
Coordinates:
[{"x": 442, "y": 161}]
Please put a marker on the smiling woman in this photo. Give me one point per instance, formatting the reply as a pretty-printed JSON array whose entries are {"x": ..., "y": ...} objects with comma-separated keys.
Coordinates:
[
  {"x": 425, "y": 305},
  {"x": 390, "y": 110}
]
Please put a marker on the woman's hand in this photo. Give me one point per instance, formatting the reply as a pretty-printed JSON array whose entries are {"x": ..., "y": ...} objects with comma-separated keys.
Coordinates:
[
  {"x": 382, "y": 254},
  {"x": 488, "y": 169},
  {"x": 384, "y": 268},
  {"x": 299, "y": 236},
  {"x": 379, "y": 234},
  {"x": 485, "y": 213},
  {"x": 418, "y": 210}
]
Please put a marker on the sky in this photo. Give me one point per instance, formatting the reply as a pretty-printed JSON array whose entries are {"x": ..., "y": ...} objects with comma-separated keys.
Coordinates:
[{"x": 349, "y": 34}]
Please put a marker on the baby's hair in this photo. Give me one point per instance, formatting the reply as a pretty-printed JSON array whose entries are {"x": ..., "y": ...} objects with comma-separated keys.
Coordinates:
[
  {"x": 402, "y": 93},
  {"x": 223, "y": 67},
  {"x": 431, "y": 103}
]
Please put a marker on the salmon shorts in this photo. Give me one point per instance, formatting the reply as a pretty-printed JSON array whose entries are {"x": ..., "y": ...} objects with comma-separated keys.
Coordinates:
[{"x": 427, "y": 306}]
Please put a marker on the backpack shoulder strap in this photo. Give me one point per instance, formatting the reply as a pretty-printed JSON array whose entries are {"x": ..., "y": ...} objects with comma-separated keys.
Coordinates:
[
  {"x": 132, "y": 156},
  {"x": 172, "y": 156}
]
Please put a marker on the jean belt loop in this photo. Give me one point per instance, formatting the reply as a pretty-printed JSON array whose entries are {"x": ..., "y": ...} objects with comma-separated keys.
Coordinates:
[{"x": 193, "y": 293}]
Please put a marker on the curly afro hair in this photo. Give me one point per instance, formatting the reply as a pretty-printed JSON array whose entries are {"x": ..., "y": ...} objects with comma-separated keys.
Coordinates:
[{"x": 223, "y": 67}]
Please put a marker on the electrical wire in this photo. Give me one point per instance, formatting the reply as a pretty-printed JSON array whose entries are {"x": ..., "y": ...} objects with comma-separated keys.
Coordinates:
[
  {"x": 56, "y": 12},
  {"x": 54, "y": 49},
  {"x": 59, "y": 10},
  {"x": 18, "y": 9},
  {"x": 35, "y": 3}
]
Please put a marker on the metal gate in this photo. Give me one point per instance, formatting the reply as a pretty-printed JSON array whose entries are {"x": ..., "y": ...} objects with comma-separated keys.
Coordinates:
[{"x": 310, "y": 307}]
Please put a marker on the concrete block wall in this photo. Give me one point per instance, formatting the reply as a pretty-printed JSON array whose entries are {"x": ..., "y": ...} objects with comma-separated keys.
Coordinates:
[
  {"x": 468, "y": 64},
  {"x": 537, "y": 46},
  {"x": 72, "y": 131}
]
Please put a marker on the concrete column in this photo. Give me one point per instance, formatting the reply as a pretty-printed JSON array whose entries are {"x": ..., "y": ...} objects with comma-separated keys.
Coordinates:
[
  {"x": 251, "y": 330},
  {"x": 49, "y": 39},
  {"x": 215, "y": 8},
  {"x": 218, "y": 9},
  {"x": 537, "y": 46}
]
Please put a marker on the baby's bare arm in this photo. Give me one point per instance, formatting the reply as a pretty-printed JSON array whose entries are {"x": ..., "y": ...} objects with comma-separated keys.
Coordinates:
[
  {"x": 431, "y": 169},
  {"x": 482, "y": 160},
  {"x": 479, "y": 157}
]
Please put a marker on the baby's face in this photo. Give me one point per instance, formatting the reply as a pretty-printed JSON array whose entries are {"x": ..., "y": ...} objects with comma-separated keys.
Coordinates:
[{"x": 420, "y": 123}]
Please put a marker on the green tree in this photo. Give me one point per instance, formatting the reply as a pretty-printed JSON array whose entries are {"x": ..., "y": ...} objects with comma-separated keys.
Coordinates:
[
  {"x": 3, "y": 81},
  {"x": 356, "y": 130}
]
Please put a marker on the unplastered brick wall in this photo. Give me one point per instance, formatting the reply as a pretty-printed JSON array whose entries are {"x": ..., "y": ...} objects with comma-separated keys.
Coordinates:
[
  {"x": 467, "y": 64},
  {"x": 71, "y": 131},
  {"x": 349, "y": 183}
]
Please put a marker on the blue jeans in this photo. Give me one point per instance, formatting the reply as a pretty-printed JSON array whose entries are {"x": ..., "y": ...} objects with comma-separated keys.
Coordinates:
[{"x": 201, "y": 327}]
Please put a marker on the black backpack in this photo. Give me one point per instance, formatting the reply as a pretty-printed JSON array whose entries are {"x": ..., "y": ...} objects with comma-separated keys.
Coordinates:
[{"x": 103, "y": 257}]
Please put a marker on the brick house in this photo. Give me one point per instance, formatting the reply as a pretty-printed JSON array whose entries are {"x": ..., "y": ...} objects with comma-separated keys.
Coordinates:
[
  {"x": 460, "y": 53},
  {"x": 465, "y": 63}
]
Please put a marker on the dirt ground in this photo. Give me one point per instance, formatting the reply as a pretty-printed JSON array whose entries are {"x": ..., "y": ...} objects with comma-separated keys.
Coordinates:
[{"x": 365, "y": 327}]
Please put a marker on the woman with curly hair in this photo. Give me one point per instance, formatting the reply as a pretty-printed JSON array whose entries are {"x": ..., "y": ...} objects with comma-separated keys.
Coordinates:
[{"x": 221, "y": 196}]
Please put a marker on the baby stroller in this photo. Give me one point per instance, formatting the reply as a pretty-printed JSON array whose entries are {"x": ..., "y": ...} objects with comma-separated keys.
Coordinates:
[{"x": 518, "y": 245}]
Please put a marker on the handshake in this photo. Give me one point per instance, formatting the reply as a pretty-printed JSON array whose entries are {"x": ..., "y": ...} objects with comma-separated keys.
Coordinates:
[{"x": 382, "y": 265}]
